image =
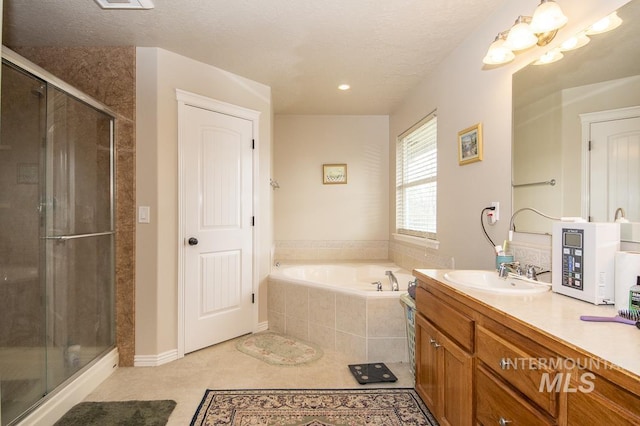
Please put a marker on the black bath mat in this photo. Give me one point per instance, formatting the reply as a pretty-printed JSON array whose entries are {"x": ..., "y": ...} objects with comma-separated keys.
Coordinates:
[{"x": 372, "y": 373}]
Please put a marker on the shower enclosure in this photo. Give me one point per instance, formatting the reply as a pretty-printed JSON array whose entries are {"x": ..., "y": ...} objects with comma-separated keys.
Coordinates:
[{"x": 57, "y": 313}]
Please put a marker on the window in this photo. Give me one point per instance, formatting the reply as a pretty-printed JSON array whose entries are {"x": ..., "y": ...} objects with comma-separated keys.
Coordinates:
[{"x": 416, "y": 179}]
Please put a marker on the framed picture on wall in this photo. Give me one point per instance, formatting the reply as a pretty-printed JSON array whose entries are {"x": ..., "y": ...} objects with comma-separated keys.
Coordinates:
[
  {"x": 470, "y": 144},
  {"x": 334, "y": 173}
]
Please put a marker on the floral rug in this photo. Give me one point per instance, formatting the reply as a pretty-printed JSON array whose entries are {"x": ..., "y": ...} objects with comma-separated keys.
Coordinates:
[
  {"x": 274, "y": 348},
  {"x": 344, "y": 407}
]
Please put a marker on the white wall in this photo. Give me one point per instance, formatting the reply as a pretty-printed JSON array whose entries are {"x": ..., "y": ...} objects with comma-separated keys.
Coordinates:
[
  {"x": 159, "y": 73},
  {"x": 308, "y": 211},
  {"x": 465, "y": 94}
]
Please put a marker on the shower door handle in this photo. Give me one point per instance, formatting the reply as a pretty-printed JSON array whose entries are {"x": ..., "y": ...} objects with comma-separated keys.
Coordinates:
[
  {"x": 77, "y": 236},
  {"x": 193, "y": 241}
]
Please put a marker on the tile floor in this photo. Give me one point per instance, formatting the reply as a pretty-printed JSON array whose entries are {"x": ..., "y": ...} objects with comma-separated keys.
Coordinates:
[{"x": 224, "y": 367}]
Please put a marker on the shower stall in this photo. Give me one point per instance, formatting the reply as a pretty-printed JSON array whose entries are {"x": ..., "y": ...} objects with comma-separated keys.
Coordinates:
[{"x": 57, "y": 274}]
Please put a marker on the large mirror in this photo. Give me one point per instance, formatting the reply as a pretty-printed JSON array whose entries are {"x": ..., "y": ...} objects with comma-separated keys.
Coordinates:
[{"x": 592, "y": 94}]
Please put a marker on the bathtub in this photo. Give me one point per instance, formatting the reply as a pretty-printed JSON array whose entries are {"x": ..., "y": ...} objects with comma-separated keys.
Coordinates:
[
  {"x": 335, "y": 306},
  {"x": 348, "y": 278}
]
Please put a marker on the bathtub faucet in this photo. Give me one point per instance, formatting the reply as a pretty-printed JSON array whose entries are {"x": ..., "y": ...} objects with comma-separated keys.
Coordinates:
[{"x": 393, "y": 281}]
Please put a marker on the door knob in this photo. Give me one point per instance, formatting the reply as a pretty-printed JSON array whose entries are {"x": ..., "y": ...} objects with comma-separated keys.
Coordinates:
[{"x": 193, "y": 241}]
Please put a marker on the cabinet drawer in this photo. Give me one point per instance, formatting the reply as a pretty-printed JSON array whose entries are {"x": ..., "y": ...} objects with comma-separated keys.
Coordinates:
[
  {"x": 496, "y": 404},
  {"x": 517, "y": 366},
  {"x": 446, "y": 318},
  {"x": 594, "y": 400}
]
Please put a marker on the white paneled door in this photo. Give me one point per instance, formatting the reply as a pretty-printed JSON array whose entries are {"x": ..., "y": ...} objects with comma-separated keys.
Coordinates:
[
  {"x": 615, "y": 169},
  {"x": 217, "y": 173}
]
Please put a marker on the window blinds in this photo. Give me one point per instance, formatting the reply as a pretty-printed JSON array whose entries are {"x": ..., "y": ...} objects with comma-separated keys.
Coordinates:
[{"x": 416, "y": 179}]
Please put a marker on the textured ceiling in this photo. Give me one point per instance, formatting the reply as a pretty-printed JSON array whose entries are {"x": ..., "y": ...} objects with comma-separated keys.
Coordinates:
[{"x": 302, "y": 49}]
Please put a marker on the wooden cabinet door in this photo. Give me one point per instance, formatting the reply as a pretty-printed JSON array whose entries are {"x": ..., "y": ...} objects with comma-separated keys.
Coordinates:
[
  {"x": 456, "y": 384},
  {"x": 426, "y": 363},
  {"x": 444, "y": 376}
]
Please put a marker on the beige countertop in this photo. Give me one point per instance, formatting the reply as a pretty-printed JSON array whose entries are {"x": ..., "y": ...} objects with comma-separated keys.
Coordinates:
[{"x": 559, "y": 316}]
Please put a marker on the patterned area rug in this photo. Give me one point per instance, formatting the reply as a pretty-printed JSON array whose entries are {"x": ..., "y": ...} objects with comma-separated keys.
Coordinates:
[
  {"x": 274, "y": 348},
  {"x": 345, "y": 407}
]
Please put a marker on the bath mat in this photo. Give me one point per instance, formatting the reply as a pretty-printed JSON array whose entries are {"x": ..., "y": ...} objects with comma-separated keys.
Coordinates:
[
  {"x": 372, "y": 373},
  {"x": 338, "y": 407},
  {"x": 276, "y": 349},
  {"x": 130, "y": 413}
]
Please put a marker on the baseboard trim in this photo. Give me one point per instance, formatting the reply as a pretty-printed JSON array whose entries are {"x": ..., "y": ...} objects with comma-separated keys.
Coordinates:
[
  {"x": 155, "y": 360},
  {"x": 262, "y": 326},
  {"x": 51, "y": 410}
]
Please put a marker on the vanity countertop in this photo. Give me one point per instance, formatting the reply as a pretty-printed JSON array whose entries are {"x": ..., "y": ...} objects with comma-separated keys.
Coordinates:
[{"x": 559, "y": 316}]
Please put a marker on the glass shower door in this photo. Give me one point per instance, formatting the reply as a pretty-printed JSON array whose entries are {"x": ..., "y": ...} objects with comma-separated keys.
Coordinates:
[
  {"x": 79, "y": 229},
  {"x": 22, "y": 306},
  {"x": 57, "y": 274}
]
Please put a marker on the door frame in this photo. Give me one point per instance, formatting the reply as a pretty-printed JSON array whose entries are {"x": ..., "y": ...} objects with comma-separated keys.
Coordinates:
[
  {"x": 587, "y": 119},
  {"x": 186, "y": 99}
]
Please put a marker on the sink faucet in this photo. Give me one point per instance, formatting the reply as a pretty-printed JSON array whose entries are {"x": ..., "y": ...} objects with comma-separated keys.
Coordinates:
[
  {"x": 393, "y": 281},
  {"x": 529, "y": 271},
  {"x": 506, "y": 267}
]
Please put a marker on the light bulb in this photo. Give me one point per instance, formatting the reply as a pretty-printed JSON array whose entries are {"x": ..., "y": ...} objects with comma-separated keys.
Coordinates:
[
  {"x": 575, "y": 42},
  {"x": 549, "y": 57},
  {"x": 498, "y": 54},
  {"x": 520, "y": 36},
  {"x": 547, "y": 17},
  {"x": 607, "y": 23}
]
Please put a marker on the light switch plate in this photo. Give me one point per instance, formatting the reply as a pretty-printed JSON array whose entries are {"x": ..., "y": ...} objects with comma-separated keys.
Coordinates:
[{"x": 144, "y": 214}]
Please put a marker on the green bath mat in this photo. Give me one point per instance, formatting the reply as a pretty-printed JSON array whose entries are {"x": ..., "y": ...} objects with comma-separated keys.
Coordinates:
[{"x": 129, "y": 413}]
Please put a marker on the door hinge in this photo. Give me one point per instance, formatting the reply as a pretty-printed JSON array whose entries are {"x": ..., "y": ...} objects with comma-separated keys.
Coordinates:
[
  {"x": 253, "y": 144},
  {"x": 589, "y": 146},
  {"x": 253, "y": 221},
  {"x": 253, "y": 298}
]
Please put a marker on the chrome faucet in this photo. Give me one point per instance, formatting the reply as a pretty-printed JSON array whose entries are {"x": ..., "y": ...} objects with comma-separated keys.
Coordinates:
[
  {"x": 506, "y": 267},
  {"x": 529, "y": 271},
  {"x": 393, "y": 281}
]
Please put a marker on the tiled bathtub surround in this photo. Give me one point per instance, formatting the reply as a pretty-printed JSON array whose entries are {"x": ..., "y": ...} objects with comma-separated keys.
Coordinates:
[
  {"x": 331, "y": 250},
  {"x": 411, "y": 257},
  {"x": 364, "y": 329}
]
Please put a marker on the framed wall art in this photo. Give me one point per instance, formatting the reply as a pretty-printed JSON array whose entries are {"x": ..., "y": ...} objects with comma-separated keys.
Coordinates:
[
  {"x": 470, "y": 144},
  {"x": 334, "y": 173}
]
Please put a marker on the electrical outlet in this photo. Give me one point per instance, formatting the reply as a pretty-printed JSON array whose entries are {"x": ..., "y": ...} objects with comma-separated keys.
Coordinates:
[{"x": 496, "y": 212}]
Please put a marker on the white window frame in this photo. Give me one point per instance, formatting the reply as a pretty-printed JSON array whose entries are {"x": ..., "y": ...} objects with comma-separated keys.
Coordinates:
[{"x": 424, "y": 237}]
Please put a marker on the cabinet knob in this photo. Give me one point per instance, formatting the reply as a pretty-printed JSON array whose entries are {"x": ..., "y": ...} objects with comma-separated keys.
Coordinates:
[
  {"x": 504, "y": 364},
  {"x": 434, "y": 343},
  {"x": 503, "y": 421}
]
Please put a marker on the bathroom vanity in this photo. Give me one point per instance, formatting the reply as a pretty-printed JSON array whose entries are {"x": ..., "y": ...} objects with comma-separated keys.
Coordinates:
[{"x": 495, "y": 359}]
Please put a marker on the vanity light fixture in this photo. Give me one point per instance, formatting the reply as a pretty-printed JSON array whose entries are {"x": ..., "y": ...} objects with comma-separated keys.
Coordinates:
[
  {"x": 498, "y": 53},
  {"x": 344, "y": 87},
  {"x": 125, "y": 4},
  {"x": 549, "y": 57},
  {"x": 607, "y": 23},
  {"x": 521, "y": 36},
  {"x": 529, "y": 31},
  {"x": 575, "y": 42}
]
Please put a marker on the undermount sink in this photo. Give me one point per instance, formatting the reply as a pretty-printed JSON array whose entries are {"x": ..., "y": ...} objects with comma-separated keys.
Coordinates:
[{"x": 491, "y": 282}]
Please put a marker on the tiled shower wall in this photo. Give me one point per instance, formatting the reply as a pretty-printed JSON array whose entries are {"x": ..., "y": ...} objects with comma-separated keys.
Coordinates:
[{"x": 108, "y": 75}]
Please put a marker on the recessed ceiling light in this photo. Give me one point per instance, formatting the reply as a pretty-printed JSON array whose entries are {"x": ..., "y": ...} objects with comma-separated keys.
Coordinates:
[
  {"x": 344, "y": 87},
  {"x": 125, "y": 4}
]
